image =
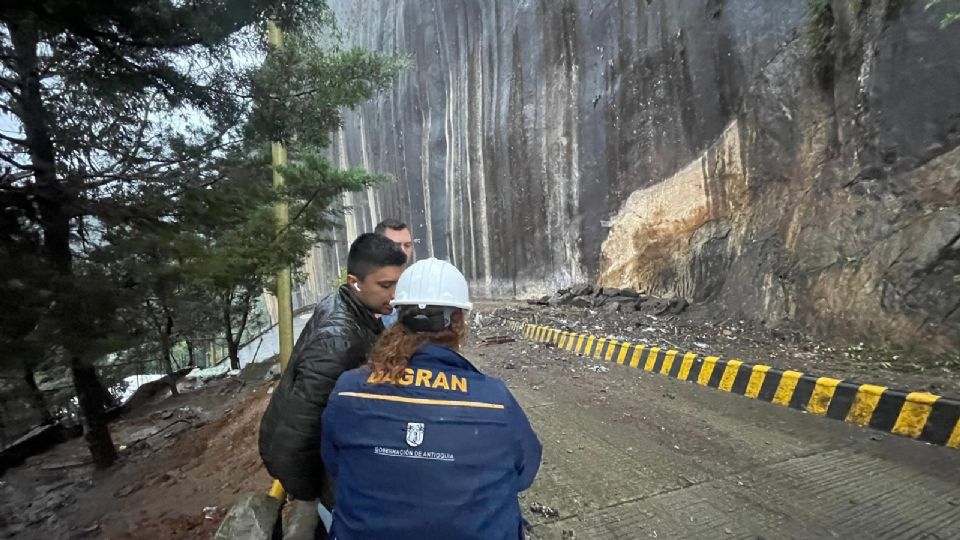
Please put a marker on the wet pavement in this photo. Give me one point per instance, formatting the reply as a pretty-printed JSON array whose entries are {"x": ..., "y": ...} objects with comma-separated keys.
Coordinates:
[
  {"x": 632, "y": 455},
  {"x": 629, "y": 454}
]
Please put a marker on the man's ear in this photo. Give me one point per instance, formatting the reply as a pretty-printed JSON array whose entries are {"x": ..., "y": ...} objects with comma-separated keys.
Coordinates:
[{"x": 353, "y": 282}]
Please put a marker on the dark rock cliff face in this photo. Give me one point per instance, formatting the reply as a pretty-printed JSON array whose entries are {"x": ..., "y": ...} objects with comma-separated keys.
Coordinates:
[{"x": 788, "y": 162}]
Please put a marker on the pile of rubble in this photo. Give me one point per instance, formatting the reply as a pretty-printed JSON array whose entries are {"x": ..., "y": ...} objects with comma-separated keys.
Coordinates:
[{"x": 612, "y": 300}]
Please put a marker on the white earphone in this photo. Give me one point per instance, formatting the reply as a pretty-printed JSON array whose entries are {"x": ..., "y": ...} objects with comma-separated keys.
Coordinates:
[{"x": 356, "y": 286}]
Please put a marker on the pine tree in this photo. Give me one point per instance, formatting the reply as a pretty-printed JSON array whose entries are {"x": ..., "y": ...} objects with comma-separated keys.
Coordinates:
[{"x": 135, "y": 175}]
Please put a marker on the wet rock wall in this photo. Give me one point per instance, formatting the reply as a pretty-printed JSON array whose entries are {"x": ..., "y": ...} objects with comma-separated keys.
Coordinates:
[{"x": 785, "y": 161}]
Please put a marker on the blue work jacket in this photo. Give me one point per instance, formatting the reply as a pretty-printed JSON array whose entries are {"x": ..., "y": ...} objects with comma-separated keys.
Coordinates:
[{"x": 440, "y": 454}]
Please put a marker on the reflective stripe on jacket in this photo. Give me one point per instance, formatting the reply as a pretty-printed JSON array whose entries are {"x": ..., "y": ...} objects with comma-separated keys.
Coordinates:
[{"x": 442, "y": 453}]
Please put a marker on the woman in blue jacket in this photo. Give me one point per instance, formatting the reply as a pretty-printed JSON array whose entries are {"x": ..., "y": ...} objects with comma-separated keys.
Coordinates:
[{"x": 422, "y": 445}]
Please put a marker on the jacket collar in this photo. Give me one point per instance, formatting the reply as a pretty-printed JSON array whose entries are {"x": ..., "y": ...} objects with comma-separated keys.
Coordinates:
[
  {"x": 434, "y": 353},
  {"x": 363, "y": 315}
]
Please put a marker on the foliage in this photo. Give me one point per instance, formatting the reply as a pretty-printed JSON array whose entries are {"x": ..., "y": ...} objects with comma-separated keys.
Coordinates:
[
  {"x": 952, "y": 14},
  {"x": 338, "y": 280},
  {"x": 136, "y": 202}
]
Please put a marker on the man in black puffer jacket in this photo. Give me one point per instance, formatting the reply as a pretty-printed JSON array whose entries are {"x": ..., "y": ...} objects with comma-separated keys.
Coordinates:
[{"x": 338, "y": 338}]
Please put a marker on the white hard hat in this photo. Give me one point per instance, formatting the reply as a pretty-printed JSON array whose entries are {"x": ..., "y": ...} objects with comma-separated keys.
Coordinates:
[{"x": 432, "y": 282}]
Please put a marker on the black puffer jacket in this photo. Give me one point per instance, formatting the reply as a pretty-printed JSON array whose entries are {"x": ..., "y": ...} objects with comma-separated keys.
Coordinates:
[{"x": 338, "y": 337}]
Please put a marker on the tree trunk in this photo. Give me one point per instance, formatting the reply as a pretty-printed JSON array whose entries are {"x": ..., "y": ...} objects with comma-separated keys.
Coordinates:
[
  {"x": 33, "y": 115},
  {"x": 53, "y": 201},
  {"x": 233, "y": 348},
  {"x": 37, "y": 401},
  {"x": 234, "y": 344},
  {"x": 190, "y": 355},
  {"x": 90, "y": 395},
  {"x": 165, "y": 354}
]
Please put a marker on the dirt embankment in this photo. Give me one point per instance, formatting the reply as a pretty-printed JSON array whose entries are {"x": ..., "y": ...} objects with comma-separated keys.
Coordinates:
[{"x": 183, "y": 461}]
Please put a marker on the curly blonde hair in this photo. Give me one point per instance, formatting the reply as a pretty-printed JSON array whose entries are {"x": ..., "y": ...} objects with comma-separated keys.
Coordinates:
[{"x": 391, "y": 355}]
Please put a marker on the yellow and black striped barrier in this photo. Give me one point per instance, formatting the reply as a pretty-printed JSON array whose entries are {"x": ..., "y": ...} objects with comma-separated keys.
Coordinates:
[{"x": 919, "y": 415}]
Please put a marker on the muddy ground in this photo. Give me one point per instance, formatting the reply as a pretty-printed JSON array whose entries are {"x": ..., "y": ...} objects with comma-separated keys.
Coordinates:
[
  {"x": 183, "y": 460},
  {"x": 634, "y": 455}
]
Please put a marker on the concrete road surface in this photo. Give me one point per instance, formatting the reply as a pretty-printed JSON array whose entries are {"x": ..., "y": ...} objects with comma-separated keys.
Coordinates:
[{"x": 629, "y": 454}]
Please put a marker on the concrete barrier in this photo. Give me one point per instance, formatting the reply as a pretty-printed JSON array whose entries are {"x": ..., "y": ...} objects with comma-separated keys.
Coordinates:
[{"x": 918, "y": 415}]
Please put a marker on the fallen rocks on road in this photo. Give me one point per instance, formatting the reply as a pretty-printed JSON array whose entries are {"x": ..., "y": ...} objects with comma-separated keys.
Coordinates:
[
  {"x": 676, "y": 324},
  {"x": 496, "y": 339},
  {"x": 612, "y": 300},
  {"x": 544, "y": 510},
  {"x": 253, "y": 517}
]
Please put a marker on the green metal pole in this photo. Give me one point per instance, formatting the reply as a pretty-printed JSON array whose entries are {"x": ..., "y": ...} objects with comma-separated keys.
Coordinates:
[
  {"x": 284, "y": 286},
  {"x": 284, "y": 298}
]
